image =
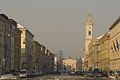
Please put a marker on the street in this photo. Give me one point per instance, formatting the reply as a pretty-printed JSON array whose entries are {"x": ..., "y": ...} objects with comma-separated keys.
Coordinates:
[
  {"x": 64, "y": 77},
  {"x": 59, "y": 40}
]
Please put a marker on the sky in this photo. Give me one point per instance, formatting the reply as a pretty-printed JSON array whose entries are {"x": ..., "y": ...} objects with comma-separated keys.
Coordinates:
[{"x": 60, "y": 24}]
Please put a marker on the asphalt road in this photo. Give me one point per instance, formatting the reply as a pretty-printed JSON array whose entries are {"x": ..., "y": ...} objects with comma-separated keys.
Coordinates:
[{"x": 64, "y": 77}]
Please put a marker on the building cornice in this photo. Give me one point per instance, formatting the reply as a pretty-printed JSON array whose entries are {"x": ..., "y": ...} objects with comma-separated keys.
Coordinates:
[{"x": 116, "y": 21}]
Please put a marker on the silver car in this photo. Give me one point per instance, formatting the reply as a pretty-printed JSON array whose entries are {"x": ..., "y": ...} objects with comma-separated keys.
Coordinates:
[{"x": 23, "y": 73}]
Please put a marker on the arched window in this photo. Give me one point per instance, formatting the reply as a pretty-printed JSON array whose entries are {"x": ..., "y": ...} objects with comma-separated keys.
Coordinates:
[{"x": 89, "y": 32}]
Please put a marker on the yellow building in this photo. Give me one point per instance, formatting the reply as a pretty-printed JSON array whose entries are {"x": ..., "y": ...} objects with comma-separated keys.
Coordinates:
[
  {"x": 98, "y": 50},
  {"x": 115, "y": 45},
  {"x": 55, "y": 63},
  {"x": 104, "y": 43},
  {"x": 93, "y": 54}
]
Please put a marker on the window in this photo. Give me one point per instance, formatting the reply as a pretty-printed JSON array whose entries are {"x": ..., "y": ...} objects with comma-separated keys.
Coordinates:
[
  {"x": 24, "y": 42},
  {"x": 89, "y": 32}
]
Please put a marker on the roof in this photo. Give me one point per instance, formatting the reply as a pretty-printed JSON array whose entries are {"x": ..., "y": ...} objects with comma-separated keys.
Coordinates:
[
  {"x": 19, "y": 25},
  {"x": 89, "y": 20},
  {"x": 116, "y": 21},
  {"x": 13, "y": 22},
  {"x": 100, "y": 36},
  {"x": 5, "y": 16}
]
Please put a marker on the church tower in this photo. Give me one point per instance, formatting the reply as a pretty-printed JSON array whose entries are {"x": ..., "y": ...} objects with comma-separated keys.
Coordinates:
[{"x": 89, "y": 31}]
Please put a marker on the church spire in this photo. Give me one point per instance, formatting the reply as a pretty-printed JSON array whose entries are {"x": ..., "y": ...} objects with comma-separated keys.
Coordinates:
[
  {"x": 89, "y": 20},
  {"x": 89, "y": 31}
]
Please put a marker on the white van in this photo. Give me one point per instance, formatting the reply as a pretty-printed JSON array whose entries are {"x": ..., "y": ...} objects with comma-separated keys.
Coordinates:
[{"x": 23, "y": 73}]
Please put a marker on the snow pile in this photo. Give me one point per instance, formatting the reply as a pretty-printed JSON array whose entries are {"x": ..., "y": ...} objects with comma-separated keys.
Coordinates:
[{"x": 8, "y": 76}]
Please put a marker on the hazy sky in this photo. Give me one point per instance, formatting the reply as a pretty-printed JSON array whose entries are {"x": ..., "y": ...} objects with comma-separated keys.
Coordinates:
[{"x": 60, "y": 24}]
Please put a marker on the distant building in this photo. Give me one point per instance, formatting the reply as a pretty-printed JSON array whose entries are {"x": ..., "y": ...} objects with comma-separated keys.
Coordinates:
[
  {"x": 56, "y": 54},
  {"x": 55, "y": 63},
  {"x": 79, "y": 65},
  {"x": 37, "y": 56},
  {"x": 60, "y": 54},
  {"x": 69, "y": 65},
  {"x": 60, "y": 61},
  {"x": 51, "y": 61}
]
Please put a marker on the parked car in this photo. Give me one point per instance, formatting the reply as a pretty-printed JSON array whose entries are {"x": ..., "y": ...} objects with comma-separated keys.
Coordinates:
[
  {"x": 72, "y": 73},
  {"x": 89, "y": 74},
  {"x": 97, "y": 72},
  {"x": 32, "y": 73},
  {"x": 23, "y": 73},
  {"x": 105, "y": 73},
  {"x": 118, "y": 72},
  {"x": 111, "y": 73},
  {"x": 79, "y": 73}
]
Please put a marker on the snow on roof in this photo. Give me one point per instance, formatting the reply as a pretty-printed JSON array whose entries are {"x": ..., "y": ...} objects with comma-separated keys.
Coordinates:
[
  {"x": 100, "y": 36},
  {"x": 19, "y": 25},
  {"x": 108, "y": 32}
]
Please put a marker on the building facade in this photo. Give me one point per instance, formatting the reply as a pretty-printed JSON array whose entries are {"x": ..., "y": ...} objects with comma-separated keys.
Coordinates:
[
  {"x": 7, "y": 34},
  {"x": 69, "y": 65},
  {"x": 26, "y": 47},
  {"x": 93, "y": 55},
  {"x": 36, "y": 59},
  {"x": 115, "y": 45},
  {"x": 17, "y": 55},
  {"x": 18, "y": 51},
  {"x": 2, "y": 42},
  {"x": 104, "y": 58},
  {"x": 17, "y": 46},
  {"x": 98, "y": 50}
]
